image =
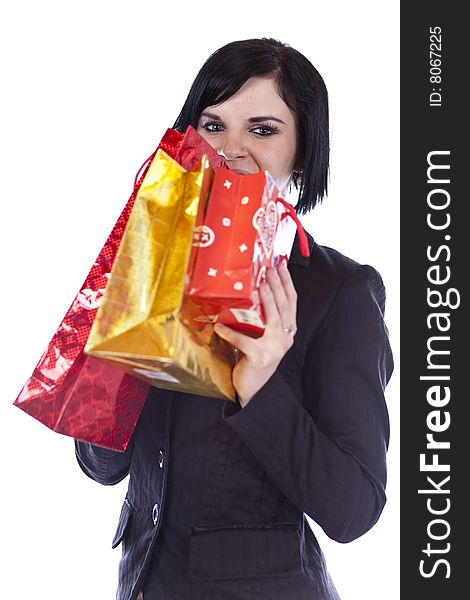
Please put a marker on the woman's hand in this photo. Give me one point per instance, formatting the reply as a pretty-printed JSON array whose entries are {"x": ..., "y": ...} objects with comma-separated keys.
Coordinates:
[{"x": 262, "y": 355}]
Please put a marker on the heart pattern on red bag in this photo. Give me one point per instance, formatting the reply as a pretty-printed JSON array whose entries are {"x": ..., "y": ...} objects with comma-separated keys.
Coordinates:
[{"x": 265, "y": 222}]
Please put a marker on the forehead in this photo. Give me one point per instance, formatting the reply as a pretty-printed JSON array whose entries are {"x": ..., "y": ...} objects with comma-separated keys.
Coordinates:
[{"x": 257, "y": 95}]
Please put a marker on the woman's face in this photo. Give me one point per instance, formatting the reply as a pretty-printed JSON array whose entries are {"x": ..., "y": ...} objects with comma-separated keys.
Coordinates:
[{"x": 254, "y": 130}]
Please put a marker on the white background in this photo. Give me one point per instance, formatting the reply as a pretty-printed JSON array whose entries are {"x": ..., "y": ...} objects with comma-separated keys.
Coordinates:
[{"x": 88, "y": 89}]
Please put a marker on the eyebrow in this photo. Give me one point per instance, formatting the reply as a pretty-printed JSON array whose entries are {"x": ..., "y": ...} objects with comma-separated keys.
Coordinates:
[
  {"x": 266, "y": 118},
  {"x": 250, "y": 120}
]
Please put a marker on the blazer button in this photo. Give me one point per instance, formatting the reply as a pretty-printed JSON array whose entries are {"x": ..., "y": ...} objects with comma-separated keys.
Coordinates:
[
  {"x": 160, "y": 459},
  {"x": 155, "y": 513}
]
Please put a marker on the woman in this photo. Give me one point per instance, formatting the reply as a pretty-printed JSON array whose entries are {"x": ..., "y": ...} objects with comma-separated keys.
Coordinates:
[{"x": 218, "y": 491}]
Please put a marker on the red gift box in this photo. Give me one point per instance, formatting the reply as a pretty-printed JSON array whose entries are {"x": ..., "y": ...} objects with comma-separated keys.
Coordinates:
[{"x": 234, "y": 247}]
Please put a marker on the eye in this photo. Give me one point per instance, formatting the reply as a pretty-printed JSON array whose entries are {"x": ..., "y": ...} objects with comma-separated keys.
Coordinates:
[
  {"x": 212, "y": 126},
  {"x": 264, "y": 130}
]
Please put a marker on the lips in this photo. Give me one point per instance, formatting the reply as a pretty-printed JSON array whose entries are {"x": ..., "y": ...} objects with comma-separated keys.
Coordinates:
[{"x": 241, "y": 171}]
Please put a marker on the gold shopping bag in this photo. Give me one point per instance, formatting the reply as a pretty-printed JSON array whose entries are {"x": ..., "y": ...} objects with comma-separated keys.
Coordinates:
[{"x": 144, "y": 324}]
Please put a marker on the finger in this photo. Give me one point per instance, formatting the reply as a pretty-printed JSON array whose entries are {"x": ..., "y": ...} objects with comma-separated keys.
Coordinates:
[
  {"x": 280, "y": 297},
  {"x": 271, "y": 313},
  {"x": 287, "y": 282},
  {"x": 244, "y": 343}
]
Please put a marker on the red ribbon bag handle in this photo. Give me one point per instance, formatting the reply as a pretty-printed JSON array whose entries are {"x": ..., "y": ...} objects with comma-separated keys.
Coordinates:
[{"x": 303, "y": 240}]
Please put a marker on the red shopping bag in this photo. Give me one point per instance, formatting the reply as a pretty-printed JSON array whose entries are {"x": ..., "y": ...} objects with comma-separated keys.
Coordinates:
[
  {"x": 79, "y": 395},
  {"x": 188, "y": 148},
  {"x": 75, "y": 394},
  {"x": 234, "y": 246}
]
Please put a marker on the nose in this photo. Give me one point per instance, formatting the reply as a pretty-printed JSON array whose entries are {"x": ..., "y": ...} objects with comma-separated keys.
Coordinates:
[{"x": 232, "y": 147}]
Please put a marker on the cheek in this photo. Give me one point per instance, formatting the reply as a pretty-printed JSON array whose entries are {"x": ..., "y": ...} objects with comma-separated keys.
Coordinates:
[
  {"x": 279, "y": 161},
  {"x": 291, "y": 153}
]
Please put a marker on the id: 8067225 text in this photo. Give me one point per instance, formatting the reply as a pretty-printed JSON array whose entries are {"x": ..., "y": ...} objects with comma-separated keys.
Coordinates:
[{"x": 435, "y": 66}]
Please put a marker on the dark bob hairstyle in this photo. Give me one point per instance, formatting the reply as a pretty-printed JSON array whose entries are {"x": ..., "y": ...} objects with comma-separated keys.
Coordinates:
[{"x": 300, "y": 86}]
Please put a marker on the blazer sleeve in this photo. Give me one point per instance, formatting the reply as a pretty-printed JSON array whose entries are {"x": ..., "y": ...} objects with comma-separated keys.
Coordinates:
[
  {"x": 105, "y": 466},
  {"x": 327, "y": 454}
]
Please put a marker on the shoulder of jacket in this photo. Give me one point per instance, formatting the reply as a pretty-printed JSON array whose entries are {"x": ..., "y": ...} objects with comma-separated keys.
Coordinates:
[{"x": 335, "y": 270}]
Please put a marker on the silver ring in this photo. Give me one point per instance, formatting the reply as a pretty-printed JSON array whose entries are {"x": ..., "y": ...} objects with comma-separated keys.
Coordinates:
[{"x": 290, "y": 330}]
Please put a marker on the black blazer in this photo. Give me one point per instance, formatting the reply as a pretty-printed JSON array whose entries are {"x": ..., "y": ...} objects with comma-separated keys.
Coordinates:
[{"x": 313, "y": 440}]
